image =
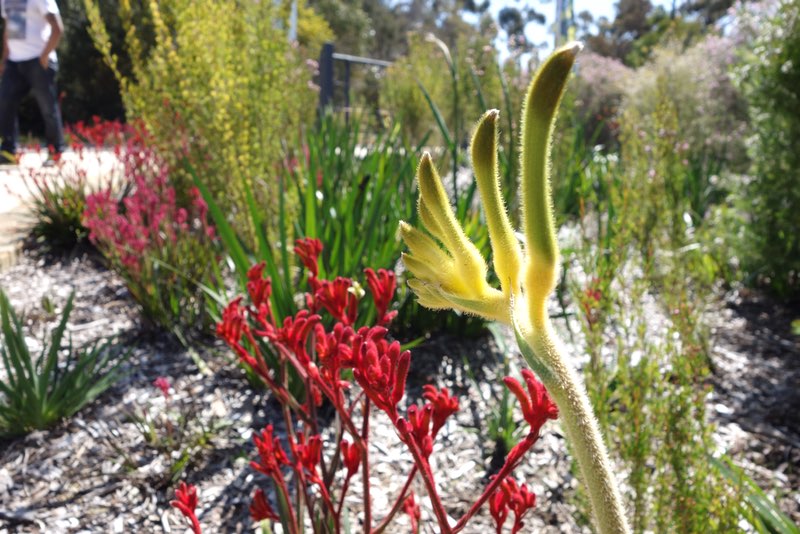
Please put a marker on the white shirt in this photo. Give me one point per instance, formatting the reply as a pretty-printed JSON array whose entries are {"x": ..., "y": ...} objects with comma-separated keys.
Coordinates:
[{"x": 27, "y": 27}]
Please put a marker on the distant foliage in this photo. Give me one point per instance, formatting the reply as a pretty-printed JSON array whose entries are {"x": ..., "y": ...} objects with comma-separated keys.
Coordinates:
[
  {"x": 600, "y": 87},
  {"x": 427, "y": 63},
  {"x": 769, "y": 75},
  {"x": 220, "y": 86},
  {"x": 710, "y": 110}
]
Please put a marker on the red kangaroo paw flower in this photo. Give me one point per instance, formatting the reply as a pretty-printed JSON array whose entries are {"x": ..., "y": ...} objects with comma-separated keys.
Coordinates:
[
  {"x": 163, "y": 384},
  {"x": 351, "y": 457},
  {"x": 443, "y": 405},
  {"x": 413, "y": 510},
  {"x": 380, "y": 368},
  {"x": 339, "y": 299},
  {"x": 511, "y": 497},
  {"x": 382, "y": 285},
  {"x": 537, "y": 406},
  {"x": 520, "y": 500},
  {"x": 270, "y": 452},
  {"x": 258, "y": 287},
  {"x": 419, "y": 427},
  {"x": 307, "y": 455},
  {"x": 498, "y": 508},
  {"x": 186, "y": 502},
  {"x": 294, "y": 334},
  {"x": 260, "y": 509},
  {"x": 309, "y": 250}
]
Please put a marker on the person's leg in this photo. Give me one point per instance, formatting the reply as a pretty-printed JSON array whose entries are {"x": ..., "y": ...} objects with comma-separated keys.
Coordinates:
[
  {"x": 43, "y": 85},
  {"x": 13, "y": 87}
]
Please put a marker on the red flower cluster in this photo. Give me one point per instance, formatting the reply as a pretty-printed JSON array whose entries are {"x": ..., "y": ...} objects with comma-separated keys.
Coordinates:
[
  {"x": 330, "y": 361},
  {"x": 100, "y": 133},
  {"x": 260, "y": 509},
  {"x": 592, "y": 296},
  {"x": 537, "y": 406},
  {"x": 148, "y": 220},
  {"x": 511, "y": 497},
  {"x": 351, "y": 457},
  {"x": 163, "y": 384},
  {"x": 424, "y": 423},
  {"x": 380, "y": 368},
  {"x": 186, "y": 502},
  {"x": 270, "y": 452},
  {"x": 382, "y": 285}
]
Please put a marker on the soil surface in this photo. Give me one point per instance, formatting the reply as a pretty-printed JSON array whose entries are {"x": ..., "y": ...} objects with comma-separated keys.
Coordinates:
[{"x": 100, "y": 472}]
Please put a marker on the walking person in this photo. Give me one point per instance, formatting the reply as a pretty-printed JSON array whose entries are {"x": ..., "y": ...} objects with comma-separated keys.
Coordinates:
[{"x": 31, "y": 34}]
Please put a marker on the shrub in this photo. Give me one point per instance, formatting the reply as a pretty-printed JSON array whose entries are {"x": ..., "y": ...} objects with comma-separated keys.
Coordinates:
[
  {"x": 38, "y": 392},
  {"x": 161, "y": 248},
  {"x": 710, "y": 109},
  {"x": 600, "y": 85},
  {"x": 221, "y": 85},
  {"x": 769, "y": 74}
]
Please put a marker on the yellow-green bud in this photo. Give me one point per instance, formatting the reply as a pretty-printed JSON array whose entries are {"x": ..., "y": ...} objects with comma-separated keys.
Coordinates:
[
  {"x": 538, "y": 116},
  {"x": 506, "y": 252}
]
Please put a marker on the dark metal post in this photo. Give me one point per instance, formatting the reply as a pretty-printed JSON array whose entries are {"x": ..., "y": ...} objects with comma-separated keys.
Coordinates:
[
  {"x": 326, "y": 77},
  {"x": 347, "y": 92}
]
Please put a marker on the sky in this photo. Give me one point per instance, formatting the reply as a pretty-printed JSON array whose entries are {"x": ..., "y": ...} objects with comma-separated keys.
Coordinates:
[{"x": 538, "y": 33}]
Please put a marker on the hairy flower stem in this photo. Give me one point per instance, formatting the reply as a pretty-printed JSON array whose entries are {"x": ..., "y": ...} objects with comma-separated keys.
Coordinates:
[
  {"x": 538, "y": 343},
  {"x": 543, "y": 351}
]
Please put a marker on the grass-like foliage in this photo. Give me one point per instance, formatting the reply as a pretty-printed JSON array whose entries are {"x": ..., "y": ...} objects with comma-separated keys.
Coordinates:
[
  {"x": 58, "y": 199},
  {"x": 57, "y": 204},
  {"x": 37, "y": 392}
]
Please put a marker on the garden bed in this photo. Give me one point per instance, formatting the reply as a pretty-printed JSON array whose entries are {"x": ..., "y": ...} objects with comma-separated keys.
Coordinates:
[{"x": 96, "y": 472}]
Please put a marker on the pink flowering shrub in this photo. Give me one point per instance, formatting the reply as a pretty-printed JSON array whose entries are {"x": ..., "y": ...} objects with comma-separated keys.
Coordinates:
[
  {"x": 359, "y": 373},
  {"x": 599, "y": 90},
  {"x": 160, "y": 244},
  {"x": 58, "y": 194}
]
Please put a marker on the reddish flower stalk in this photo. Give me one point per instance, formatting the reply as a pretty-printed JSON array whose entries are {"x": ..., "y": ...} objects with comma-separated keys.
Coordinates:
[
  {"x": 186, "y": 502},
  {"x": 405, "y": 431},
  {"x": 398, "y": 502},
  {"x": 414, "y": 512}
]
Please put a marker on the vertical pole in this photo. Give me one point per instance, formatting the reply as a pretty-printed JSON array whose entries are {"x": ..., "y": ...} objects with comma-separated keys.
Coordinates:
[
  {"x": 347, "y": 92},
  {"x": 326, "y": 77}
]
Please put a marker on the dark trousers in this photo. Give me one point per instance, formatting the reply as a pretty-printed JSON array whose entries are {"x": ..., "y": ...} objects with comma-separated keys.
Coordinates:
[{"x": 20, "y": 78}]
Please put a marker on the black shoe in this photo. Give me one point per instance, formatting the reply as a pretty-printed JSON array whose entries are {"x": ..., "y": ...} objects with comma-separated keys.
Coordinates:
[{"x": 8, "y": 159}]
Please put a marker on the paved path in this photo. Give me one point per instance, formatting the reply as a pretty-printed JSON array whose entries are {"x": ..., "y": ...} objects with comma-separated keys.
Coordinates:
[{"x": 15, "y": 196}]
